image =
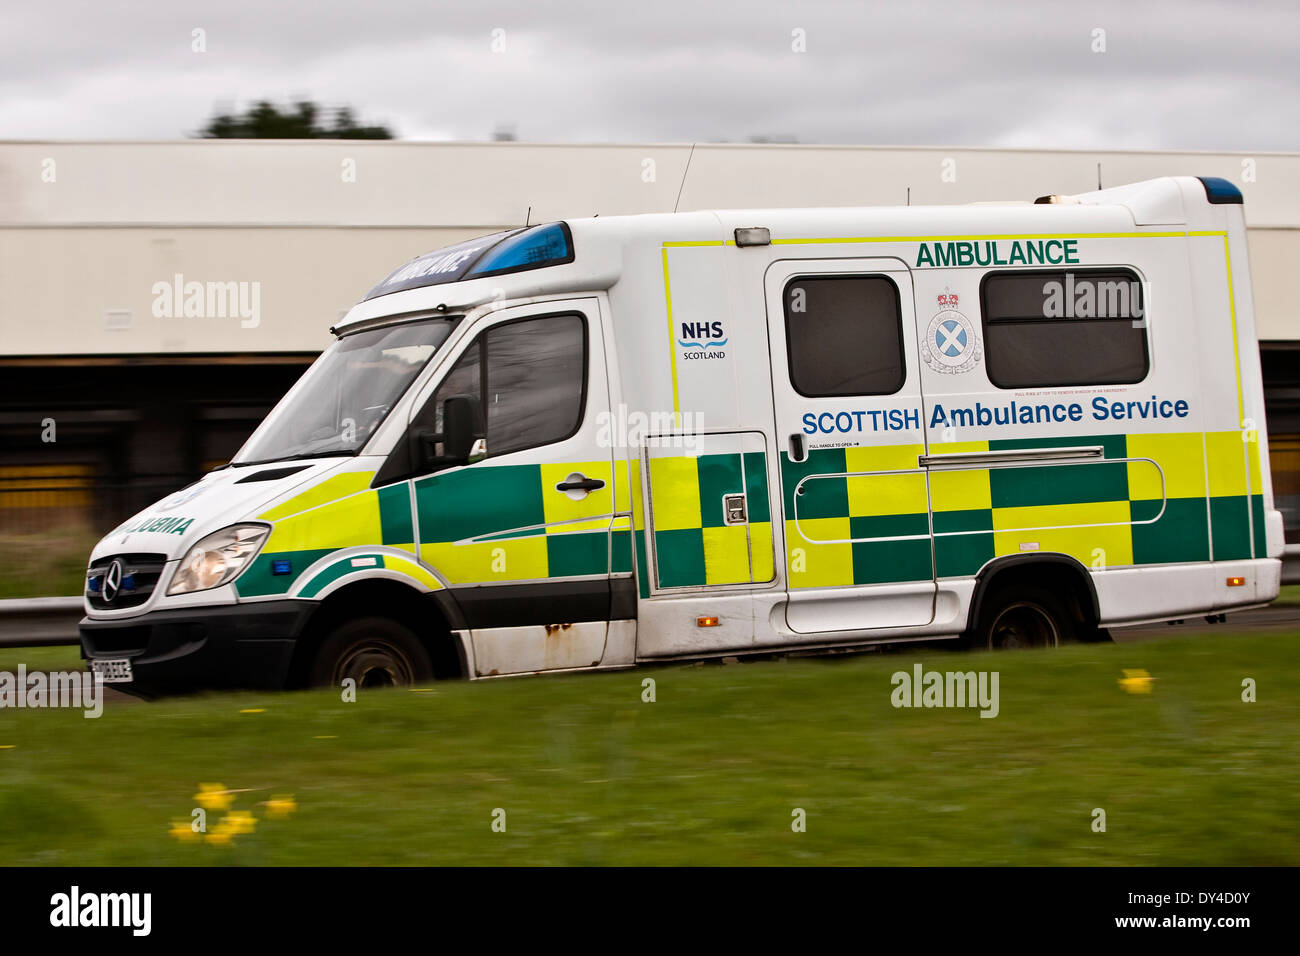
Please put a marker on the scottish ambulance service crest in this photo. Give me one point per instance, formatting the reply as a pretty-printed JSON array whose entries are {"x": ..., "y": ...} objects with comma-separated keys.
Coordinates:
[{"x": 950, "y": 344}]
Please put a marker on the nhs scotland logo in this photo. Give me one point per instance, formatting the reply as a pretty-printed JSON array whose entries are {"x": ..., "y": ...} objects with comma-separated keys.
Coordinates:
[
  {"x": 950, "y": 344},
  {"x": 702, "y": 340}
]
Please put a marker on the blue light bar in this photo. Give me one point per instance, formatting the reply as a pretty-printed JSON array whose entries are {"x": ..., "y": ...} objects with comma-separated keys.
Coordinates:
[
  {"x": 535, "y": 248},
  {"x": 1220, "y": 192}
]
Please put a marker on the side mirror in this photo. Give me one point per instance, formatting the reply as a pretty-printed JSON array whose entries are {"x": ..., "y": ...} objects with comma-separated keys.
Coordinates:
[{"x": 462, "y": 425}]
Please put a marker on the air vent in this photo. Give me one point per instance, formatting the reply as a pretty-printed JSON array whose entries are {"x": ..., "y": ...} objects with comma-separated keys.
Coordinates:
[{"x": 271, "y": 474}]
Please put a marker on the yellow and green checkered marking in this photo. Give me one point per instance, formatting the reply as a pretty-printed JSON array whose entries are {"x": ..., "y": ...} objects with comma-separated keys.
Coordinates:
[
  {"x": 693, "y": 544},
  {"x": 1111, "y": 513},
  {"x": 482, "y": 524},
  {"x": 508, "y": 523}
]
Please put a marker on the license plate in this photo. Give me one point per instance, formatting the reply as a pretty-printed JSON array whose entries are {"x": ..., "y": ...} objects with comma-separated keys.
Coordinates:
[{"x": 114, "y": 671}]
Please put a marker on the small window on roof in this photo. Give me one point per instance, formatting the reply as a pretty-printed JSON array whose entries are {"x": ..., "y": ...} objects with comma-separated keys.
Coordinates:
[{"x": 549, "y": 245}]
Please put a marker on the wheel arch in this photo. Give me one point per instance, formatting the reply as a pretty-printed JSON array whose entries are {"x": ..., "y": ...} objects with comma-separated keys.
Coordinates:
[
  {"x": 1050, "y": 569},
  {"x": 433, "y": 616}
]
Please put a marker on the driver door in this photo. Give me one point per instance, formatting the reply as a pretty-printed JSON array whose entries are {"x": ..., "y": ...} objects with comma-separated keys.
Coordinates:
[{"x": 520, "y": 529}]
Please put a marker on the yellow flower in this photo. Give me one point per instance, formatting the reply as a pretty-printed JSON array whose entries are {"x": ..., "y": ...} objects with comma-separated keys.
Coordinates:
[
  {"x": 280, "y": 806},
  {"x": 237, "y": 822},
  {"x": 182, "y": 831},
  {"x": 1136, "y": 681},
  {"x": 214, "y": 796}
]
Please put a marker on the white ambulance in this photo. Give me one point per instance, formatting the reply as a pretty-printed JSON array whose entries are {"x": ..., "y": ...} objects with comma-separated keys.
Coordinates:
[{"x": 595, "y": 443}]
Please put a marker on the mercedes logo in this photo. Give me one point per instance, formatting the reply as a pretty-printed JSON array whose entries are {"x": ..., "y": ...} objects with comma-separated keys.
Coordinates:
[{"x": 112, "y": 580}]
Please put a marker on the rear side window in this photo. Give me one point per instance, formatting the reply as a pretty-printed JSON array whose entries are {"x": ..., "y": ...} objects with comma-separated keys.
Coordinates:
[
  {"x": 1055, "y": 327},
  {"x": 844, "y": 335}
]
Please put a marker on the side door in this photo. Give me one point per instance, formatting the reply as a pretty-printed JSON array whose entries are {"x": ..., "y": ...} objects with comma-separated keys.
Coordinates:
[
  {"x": 847, "y": 399},
  {"x": 520, "y": 531}
]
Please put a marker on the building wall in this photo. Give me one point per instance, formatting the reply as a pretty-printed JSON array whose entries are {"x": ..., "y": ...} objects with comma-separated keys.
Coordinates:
[
  {"x": 143, "y": 403},
  {"x": 316, "y": 224}
]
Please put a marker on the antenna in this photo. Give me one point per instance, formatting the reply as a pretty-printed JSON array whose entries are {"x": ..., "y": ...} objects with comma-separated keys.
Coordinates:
[
  {"x": 689, "y": 157},
  {"x": 909, "y": 195},
  {"x": 1099, "y": 177},
  {"x": 528, "y": 217}
]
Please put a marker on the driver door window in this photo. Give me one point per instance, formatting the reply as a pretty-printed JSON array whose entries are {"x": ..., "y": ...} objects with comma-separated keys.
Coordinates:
[{"x": 534, "y": 390}]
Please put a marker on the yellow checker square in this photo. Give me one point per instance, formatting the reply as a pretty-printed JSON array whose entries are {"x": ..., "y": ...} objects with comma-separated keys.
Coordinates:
[
  {"x": 328, "y": 490},
  {"x": 1094, "y": 533},
  {"x": 726, "y": 555},
  {"x": 557, "y": 506},
  {"x": 760, "y": 550},
  {"x": 675, "y": 493},
  {"x": 882, "y": 458},
  {"x": 963, "y": 490},
  {"x": 634, "y": 488},
  {"x": 886, "y": 495},
  {"x": 1226, "y": 463},
  {"x": 626, "y": 474},
  {"x": 819, "y": 565},
  {"x": 513, "y": 559},
  {"x": 350, "y": 522},
  {"x": 1180, "y": 456},
  {"x": 1252, "y": 457}
]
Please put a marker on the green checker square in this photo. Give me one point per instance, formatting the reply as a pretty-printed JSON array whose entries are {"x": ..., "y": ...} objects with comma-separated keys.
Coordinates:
[
  {"x": 760, "y": 509},
  {"x": 888, "y": 526},
  {"x": 892, "y": 561},
  {"x": 832, "y": 497},
  {"x": 1058, "y": 485},
  {"x": 477, "y": 501},
  {"x": 578, "y": 552},
  {"x": 962, "y": 555},
  {"x": 1181, "y": 533},
  {"x": 1261, "y": 530},
  {"x": 972, "y": 519},
  {"x": 642, "y": 565},
  {"x": 718, "y": 475},
  {"x": 620, "y": 552},
  {"x": 680, "y": 556},
  {"x": 1230, "y": 523},
  {"x": 395, "y": 514}
]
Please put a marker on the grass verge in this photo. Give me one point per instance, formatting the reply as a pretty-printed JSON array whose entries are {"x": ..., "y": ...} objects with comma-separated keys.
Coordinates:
[{"x": 709, "y": 773}]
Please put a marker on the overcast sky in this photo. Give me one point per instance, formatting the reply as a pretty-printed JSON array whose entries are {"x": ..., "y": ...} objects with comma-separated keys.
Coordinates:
[{"x": 1186, "y": 75}]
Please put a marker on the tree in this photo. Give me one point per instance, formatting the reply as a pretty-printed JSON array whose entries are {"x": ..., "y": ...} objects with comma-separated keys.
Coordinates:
[{"x": 264, "y": 120}]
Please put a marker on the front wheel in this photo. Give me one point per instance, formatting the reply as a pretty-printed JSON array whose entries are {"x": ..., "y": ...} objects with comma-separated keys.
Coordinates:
[
  {"x": 372, "y": 651},
  {"x": 1021, "y": 618}
]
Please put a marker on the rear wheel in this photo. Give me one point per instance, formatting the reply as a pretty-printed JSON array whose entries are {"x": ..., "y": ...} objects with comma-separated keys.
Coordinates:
[
  {"x": 374, "y": 652},
  {"x": 1023, "y": 617}
]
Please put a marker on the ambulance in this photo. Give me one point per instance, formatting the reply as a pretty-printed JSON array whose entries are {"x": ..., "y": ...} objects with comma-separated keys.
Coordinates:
[{"x": 591, "y": 444}]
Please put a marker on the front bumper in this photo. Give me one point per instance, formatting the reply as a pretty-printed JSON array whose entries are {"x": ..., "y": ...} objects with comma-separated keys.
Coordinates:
[{"x": 188, "y": 649}]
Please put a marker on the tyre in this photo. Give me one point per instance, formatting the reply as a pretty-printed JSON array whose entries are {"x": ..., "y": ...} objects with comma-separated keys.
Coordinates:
[
  {"x": 374, "y": 652},
  {"x": 1023, "y": 617}
]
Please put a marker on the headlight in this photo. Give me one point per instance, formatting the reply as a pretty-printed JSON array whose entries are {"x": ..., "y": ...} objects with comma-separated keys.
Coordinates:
[{"x": 218, "y": 558}]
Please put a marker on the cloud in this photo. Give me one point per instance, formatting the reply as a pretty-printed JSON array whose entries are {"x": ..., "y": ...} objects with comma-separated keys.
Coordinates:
[{"x": 1205, "y": 75}]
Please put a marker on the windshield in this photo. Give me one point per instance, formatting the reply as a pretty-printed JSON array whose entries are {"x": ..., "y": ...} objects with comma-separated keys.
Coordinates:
[{"x": 345, "y": 395}]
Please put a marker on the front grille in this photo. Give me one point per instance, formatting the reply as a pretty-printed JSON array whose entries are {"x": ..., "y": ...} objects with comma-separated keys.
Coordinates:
[{"x": 140, "y": 573}]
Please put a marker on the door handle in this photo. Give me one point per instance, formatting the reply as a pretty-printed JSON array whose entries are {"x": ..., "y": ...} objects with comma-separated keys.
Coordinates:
[{"x": 579, "y": 482}]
